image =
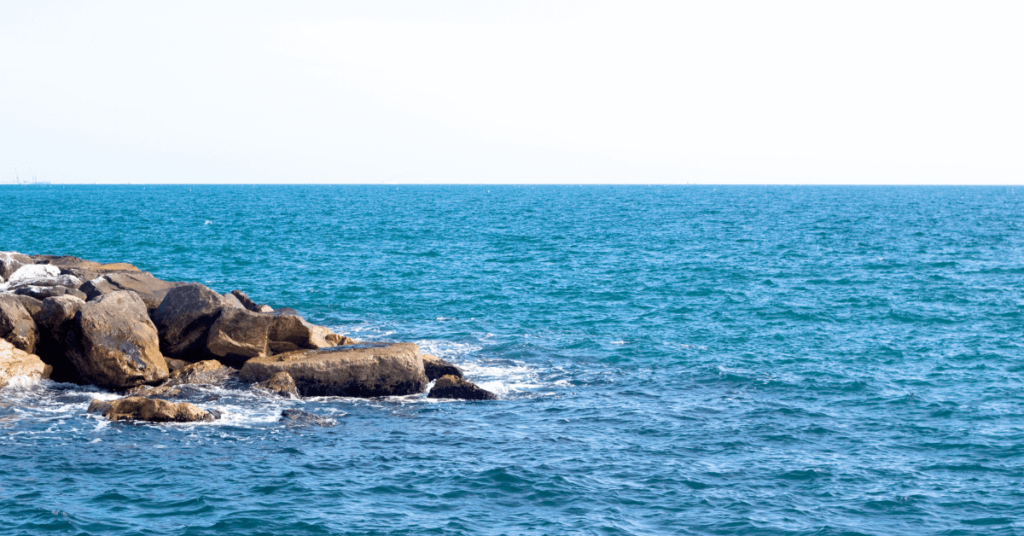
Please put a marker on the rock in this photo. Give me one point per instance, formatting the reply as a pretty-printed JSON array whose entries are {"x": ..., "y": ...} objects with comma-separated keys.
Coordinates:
[
  {"x": 150, "y": 289},
  {"x": 15, "y": 363},
  {"x": 280, "y": 383},
  {"x": 137, "y": 408},
  {"x": 184, "y": 318},
  {"x": 41, "y": 293},
  {"x": 246, "y": 302},
  {"x": 10, "y": 261},
  {"x": 35, "y": 274},
  {"x": 207, "y": 372},
  {"x": 363, "y": 371},
  {"x": 231, "y": 301},
  {"x": 435, "y": 367},
  {"x": 264, "y": 309},
  {"x": 297, "y": 416},
  {"x": 113, "y": 343},
  {"x": 174, "y": 364},
  {"x": 238, "y": 335},
  {"x": 455, "y": 387},
  {"x": 17, "y": 325},
  {"x": 54, "y": 322},
  {"x": 291, "y": 333},
  {"x": 67, "y": 263},
  {"x": 162, "y": 391},
  {"x": 32, "y": 305}
]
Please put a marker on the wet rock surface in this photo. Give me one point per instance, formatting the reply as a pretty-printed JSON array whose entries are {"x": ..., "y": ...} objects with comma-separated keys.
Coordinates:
[
  {"x": 457, "y": 388},
  {"x": 435, "y": 367},
  {"x": 16, "y": 363},
  {"x": 297, "y": 417},
  {"x": 281, "y": 383},
  {"x": 138, "y": 408}
]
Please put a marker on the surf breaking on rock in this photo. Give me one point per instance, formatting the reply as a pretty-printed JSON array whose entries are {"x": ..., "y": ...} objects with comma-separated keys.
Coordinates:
[{"x": 119, "y": 328}]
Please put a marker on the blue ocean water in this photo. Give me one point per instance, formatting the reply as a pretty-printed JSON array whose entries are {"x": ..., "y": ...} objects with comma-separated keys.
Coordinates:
[{"x": 670, "y": 360}]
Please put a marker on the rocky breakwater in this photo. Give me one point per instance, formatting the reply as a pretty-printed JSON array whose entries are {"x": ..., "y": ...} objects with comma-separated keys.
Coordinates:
[{"x": 119, "y": 328}]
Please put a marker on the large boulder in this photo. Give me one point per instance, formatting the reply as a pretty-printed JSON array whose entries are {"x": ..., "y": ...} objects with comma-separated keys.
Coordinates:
[
  {"x": 32, "y": 305},
  {"x": 10, "y": 261},
  {"x": 41, "y": 276},
  {"x": 137, "y": 408},
  {"x": 361, "y": 371},
  {"x": 455, "y": 387},
  {"x": 113, "y": 343},
  {"x": 436, "y": 367},
  {"x": 17, "y": 325},
  {"x": 149, "y": 288},
  {"x": 238, "y": 335},
  {"x": 17, "y": 363},
  {"x": 184, "y": 318},
  {"x": 54, "y": 321}
]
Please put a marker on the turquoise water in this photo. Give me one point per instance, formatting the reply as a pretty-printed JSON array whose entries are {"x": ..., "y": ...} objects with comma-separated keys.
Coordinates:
[{"x": 670, "y": 360}]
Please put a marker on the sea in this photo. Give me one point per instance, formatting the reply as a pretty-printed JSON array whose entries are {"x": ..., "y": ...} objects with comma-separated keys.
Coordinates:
[{"x": 774, "y": 360}]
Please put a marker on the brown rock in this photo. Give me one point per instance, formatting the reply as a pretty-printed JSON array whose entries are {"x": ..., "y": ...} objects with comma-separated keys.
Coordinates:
[
  {"x": 137, "y": 408},
  {"x": 150, "y": 289},
  {"x": 280, "y": 383},
  {"x": 113, "y": 343},
  {"x": 162, "y": 391},
  {"x": 435, "y": 367},
  {"x": 32, "y": 305},
  {"x": 67, "y": 262},
  {"x": 455, "y": 387},
  {"x": 292, "y": 329},
  {"x": 208, "y": 372},
  {"x": 366, "y": 371},
  {"x": 231, "y": 301},
  {"x": 16, "y": 324},
  {"x": 15, "y": 362},
  {"x": 238, "y": 335},
  {"x": 263, "y": 309},
  {"x": 184, "y": 318},
  {"x": 174, "y": 364}
]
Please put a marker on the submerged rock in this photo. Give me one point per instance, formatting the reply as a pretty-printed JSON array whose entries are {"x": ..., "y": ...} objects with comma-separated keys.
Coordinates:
[
  {"x": 297, "y": 416},
  {"x": 435, "y": 367},
  {"x": 455, "y": 387},
  {"x": 280, "y": 383},
  {"x": 17, "y": 325},
  {"x": 17, "y": 363},
  {"x": 138, "y": 408},
  {"x": 361, "y": 371},
  {"x": 113, "y": 343},
  {"x": 184, "y": 318}
]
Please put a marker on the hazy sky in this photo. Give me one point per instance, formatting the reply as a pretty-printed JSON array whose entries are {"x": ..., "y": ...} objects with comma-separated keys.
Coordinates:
[{"x": 516, "y": 92}]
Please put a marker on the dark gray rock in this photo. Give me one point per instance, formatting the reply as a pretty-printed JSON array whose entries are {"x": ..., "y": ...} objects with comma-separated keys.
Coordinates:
[
  {"x": 41, "y": 293},
  {"x": 300, "y": 418},
  {"x": 54, "y": 322},
  {"x": 32, "y": 305},
  {"x": 246, "y": 302},
  {"x": 435, "y": 367},
  {"x": 184, "y": 319},
  {"x": 454, "y": 387},
  {"x": 16, "y": 324},
  {"x": 113, "y": 343}
]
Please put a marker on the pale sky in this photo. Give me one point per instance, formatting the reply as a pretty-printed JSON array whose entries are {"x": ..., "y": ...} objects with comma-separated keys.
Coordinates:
[{"x": 544, "y": 91}]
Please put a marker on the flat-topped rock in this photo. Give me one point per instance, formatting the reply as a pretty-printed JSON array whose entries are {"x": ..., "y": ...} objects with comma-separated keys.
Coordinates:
[
  {"x": 16, "y": 363},
  {"x": 359, "y": 371},
  {"x": 149, "y": 288},
  {"x": 138, "y": 408}
]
